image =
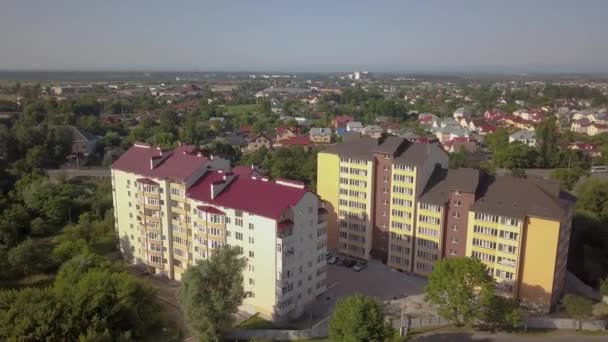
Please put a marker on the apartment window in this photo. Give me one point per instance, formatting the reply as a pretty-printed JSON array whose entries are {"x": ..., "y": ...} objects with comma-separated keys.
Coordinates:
[
  {"x": 456, "y": 215},
  {"x": 508, "y": 235},
  {"x": 504, "y": 274},
  {"x": 455, "y": 228},
  {"x": 403, "y": 178},
  {"x": 428, "y": 231},
  {"x": 452, "y": 252},
  {"x": 238, "y": 236},
  {"x": 251, "y": 281},
  {"x": 484, "y": 243},
  {"x": 454, "y": 239},
  {"x": 238, "y": 221},
  {"x": 403, "y": 167},
  {"x": 483, "y": 256},
  {"x": 401, "y": 225},
  {"x": 428, "y": 219},
  {"x": 509, "y": 221},
  {"x": 251, "y": 240},
  {"x": 456, "y": 202},
  {"x": 485, "y": 230},
  {"x": 251, "y": 226},
  {"x": 402, "y": 202},
  {"x": 238, "y": 213},
  {"x": 251, "y": 254},
  {"x": 507, "y": 248},
  {"x": 486, "y": 217},
  {"x": 429, "y": 207}
]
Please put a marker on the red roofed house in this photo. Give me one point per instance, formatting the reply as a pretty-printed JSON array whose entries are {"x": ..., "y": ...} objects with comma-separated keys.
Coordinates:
[
  {"x": 340, "y": 121},
  {"x": 494, "y": 115},
  {"x": 596, "y": 128},
  {"x": 259, "y": 141},
  {"x": 282, "y": 132},
  {"x": 175, "y": 208},
  {"x": 459, "y": 143},
  {"x": 300, "y": 140},
  {"x": 586, "y": 148}
]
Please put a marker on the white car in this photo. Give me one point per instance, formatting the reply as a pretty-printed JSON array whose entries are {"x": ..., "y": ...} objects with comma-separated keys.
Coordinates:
[{"x": 360, "y": 265}]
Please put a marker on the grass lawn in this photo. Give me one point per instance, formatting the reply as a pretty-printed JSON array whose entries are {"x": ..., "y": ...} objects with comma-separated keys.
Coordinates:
[
  {"x": 241, "y": 109},
  {"x": 257, "y": 322}
]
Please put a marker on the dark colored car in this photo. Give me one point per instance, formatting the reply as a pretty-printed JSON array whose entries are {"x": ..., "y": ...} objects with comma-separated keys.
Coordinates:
[{"x": 349, "y": 262}]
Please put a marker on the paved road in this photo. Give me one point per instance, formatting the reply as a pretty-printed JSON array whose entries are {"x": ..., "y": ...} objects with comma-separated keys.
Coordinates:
[
  {"x": 466, "y": 336},
  {"x": 71, "y": 173}
]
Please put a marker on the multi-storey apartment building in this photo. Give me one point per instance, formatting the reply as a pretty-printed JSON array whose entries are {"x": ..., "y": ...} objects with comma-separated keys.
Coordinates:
[
  {"x": 421, "y": 212},
  {"x": 370, "y": 187},
  {"x": 174, "y": 208}
]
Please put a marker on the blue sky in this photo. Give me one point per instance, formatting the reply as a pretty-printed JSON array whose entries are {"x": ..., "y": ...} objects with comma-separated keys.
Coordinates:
[{"x": 304, "y": 35}]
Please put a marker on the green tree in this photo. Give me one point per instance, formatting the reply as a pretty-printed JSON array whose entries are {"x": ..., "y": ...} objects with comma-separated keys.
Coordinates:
[
  {"x": 358, "y": 318},
  {"x": 500, "y": 312},
  {"x": 578, "y": 307},
  {"x": 567, "y": 178},
  {"x": 455, "y": 286},
  {"x": 29, "y": 257},
  {"x": 211, "y": 292},
  {"x": 458, "y": 159},
  {"x": 546, "y": 136},
  {"x": 592, "y": 196}
]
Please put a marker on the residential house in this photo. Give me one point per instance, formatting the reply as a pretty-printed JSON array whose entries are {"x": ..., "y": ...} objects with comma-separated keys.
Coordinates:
[
  {"x": 463, "y": 112},
  {"x": 591, "y": 150},
  {"x": 494, "y": 115},
  {"x": 340, "y": 121},
  {"x": 466, "y": 144},
  {"x": 283, "y": 132},
  {"x": 595, "y": 129},
  {"x": 83, "y": 144},
  {"x": 525, "y": 137},
  {"x": 354, "y": 126},
  {"x": 258, "y": 141},
  {"x": 320, "y": 135},
  {"x": 580, "y": 126},
  {"x": 372, "y": 131},
  {"x": 298, "y": 141}
]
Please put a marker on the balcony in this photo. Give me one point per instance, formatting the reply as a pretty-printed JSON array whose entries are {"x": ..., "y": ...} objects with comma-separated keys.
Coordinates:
[
  {"x": 284, "y": 229},
  {"x": 506, "y": 262},
  {"x": 322, "y": 214}
]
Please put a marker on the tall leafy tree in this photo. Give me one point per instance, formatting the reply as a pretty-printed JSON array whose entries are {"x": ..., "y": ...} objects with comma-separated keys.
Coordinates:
[
  {"x": 211, "y": 293},
  {"x": 546, "y": 136},
  {"x": 456, "y": 285},
  {"x": 358, "y": 318}
]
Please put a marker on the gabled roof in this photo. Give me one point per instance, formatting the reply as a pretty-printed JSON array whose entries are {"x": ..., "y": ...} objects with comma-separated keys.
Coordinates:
[
  {"x": 177, "y": 164},
  {"x": 517, "y": 197},
  {"x": 257, "y": 196},
  {"x": 77, "y": 134},
  {"x": 299, "y": 140},
  {"x": 443, "y": 181}
]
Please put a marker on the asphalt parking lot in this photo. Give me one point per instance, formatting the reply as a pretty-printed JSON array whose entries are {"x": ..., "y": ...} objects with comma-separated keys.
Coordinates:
[{"x": 376, "y": 280}]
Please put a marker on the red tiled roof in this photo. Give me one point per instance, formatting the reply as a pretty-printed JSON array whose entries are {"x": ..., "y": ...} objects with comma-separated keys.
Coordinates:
[
  {"x": 211, "y": 210},
  {"x": 263, "y": 198},
  {"x": 300, "y": 140},
  {"x": 178, "y": 164},
  {"x": 342, "y": 119}
]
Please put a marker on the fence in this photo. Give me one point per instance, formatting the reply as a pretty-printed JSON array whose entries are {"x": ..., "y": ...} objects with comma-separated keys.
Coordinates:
[
  {"x": 565, "y": 324},
  {"x": 416, "y": 323},
  {"x": 283, "y": 335}
]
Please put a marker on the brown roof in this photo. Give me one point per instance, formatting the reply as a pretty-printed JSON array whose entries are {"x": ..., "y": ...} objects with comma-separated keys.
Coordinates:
[
  {"x": 517, "y": 197},
  {"x": 443, "y": 181},
  {"x": 403, "y": 150}
]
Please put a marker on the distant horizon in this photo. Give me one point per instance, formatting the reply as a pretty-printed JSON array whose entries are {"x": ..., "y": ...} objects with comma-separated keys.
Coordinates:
[{"x": 436, "y": 36}]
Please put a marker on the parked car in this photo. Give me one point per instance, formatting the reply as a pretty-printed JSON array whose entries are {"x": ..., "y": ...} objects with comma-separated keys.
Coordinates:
[
  {"x": 328, "y": 255},
  {"x": 359, "y": 266},
  {"x": 332, "y": 260},
  {"x": 339, "y": 261},
  {"x": 349, "y": 262}
]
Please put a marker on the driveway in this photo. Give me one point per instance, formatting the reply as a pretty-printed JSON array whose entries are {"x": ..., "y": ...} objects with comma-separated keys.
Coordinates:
[{"x": 376, "y": 280}]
